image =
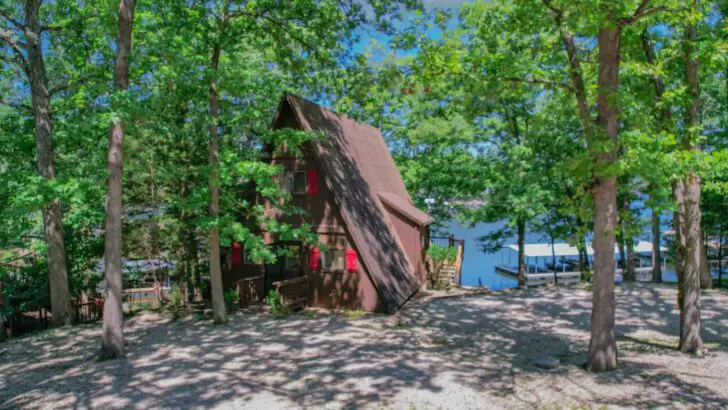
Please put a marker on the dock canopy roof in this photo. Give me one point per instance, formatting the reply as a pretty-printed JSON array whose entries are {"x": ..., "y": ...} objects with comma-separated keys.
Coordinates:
[{"x": 564, "y": 249}]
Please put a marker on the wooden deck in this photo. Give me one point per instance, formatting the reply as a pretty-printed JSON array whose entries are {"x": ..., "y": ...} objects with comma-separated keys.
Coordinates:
[{"x": 542, "y": 277}]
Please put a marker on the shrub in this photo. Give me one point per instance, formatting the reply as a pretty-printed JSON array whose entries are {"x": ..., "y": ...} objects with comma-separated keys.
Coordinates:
[
  {"x": 231, "y": 298},
  {"x": 440, "y": 257},
  {"x": 277, "y": 307},
  {"x": 355, "y": 314},
  {"x": 175, "y": 296}
]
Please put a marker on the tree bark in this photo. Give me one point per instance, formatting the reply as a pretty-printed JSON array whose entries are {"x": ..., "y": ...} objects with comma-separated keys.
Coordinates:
[
  {"x": 690, "y": 327},
  {"x": 603, "y": 344},
  {"x": 112, "y": 342},
  {"x": 720, "y": 256},
  {"x": 656, "y": 252},
  {"x": 61, "y": 306},
  {"x": 521, "y": 253},
  {"x": 218, "y": 302},
  {"x": 678, "y": 225},
  {"x": 665, "y": 119},
  {"x": 620, "y": 246},
  {"x": 629, "y": 270},
  {"x": 706, "y": 280}
]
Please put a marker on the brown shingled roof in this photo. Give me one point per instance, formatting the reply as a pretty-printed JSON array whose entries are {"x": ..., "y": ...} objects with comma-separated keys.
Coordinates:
[{"x": 357, "y": 167}]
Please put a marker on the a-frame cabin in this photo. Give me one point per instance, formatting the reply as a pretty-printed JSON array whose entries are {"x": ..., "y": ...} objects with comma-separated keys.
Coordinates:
[{"x": 358, "y": 205}]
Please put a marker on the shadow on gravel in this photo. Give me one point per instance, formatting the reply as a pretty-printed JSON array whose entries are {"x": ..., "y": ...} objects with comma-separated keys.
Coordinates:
[{"x": 486, "y": 343}]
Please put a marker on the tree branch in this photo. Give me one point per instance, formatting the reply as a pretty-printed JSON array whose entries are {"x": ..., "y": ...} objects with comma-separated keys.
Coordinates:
[
  {"x": 558, "y": 13},
  {"x": 643, "y": 11},
  {"x": 20, "y": 26},
  {"x": 540, "y": 81},
  {"x": 15, "y": 45},
  {"x": 79, "y": 81},
  {"x": 15, "y": 105}
]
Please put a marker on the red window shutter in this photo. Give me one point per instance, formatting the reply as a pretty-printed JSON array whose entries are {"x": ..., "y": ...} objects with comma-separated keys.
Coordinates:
[
  {"x": 314, "y": 259},
  {"x": 237, "y": 254},
  {"x": 312, "y": 181},
  {"x": 352, "y": 263}
]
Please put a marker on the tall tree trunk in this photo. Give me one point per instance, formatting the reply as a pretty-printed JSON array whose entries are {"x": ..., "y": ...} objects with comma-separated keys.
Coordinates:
[
  {"x": 656, "y": 252},
  {"x": 706, "y": 280},
  {"x": 112, "y": 343},
  {"x": 603, "y": 344},
  {"x": 627, "y": 242},
  {"x": 691, "y": 339},
  {"x": 583, "y": 257},
  {"x": 620, "y": 246},
  {"x": 521, "y": 253},
  {"x": 678, "y": 192},
  {"x": 665, "y": 124},
  {"x": 629, "y": 270},
  {"x": 720, "y": 256},
  {"x": 218, "y": 303},
  {"x": 63, "y": 313}
]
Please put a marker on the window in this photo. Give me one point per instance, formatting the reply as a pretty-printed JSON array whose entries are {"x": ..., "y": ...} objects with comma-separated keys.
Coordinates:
[
  {"x": 293, "y": 257},
  {"x": 294, "y": 182},
  {"x": 333, "y": 259}
]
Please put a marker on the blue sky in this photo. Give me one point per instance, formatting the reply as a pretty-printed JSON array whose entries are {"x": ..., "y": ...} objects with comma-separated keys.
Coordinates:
[{"x": 450, "y": 5}]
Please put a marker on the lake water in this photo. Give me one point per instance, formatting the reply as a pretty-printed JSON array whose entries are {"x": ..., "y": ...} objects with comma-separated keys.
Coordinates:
[{"x": 479, "y": 267}]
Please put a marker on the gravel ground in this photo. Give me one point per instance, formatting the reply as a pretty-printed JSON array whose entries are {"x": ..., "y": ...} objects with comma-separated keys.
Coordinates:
[{"x": 458, "y": 352}]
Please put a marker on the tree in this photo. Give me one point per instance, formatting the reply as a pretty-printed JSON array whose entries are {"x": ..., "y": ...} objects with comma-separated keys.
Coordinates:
[
  {"x": 602, "y": 140},
  {"x": 689, "y": 202},
  {"x": 32, "y": 64},
  {"x": 112, "y": 345}
]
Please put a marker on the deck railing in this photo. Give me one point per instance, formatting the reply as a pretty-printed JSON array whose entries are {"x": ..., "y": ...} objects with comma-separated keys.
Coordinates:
[
  {"x": 250, "y": 290},
  {"x": 293, "y": 292}
]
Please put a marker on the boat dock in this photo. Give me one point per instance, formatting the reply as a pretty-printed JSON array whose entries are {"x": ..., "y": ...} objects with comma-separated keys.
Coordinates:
[{"x": 540, "y": 277}]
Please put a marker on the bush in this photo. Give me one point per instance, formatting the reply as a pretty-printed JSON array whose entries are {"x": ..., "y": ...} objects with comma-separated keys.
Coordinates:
[
  {"x": 231, "y": 298},
  {"x": 277, "y": 307},
  {"x": 175, "y": 296},
  {"x": 440, "y": 257}
]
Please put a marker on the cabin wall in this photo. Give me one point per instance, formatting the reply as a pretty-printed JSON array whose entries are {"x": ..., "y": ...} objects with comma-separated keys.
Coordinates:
[
  {"x": 410, "y": 235},
  {"x": 337, "y": 289}
]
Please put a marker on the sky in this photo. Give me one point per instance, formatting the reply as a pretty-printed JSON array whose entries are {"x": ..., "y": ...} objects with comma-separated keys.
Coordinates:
[{"x": 381, "y": 38}]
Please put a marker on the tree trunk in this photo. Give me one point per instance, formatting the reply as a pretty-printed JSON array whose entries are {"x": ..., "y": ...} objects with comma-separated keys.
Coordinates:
[
  {"x": 629, "y": 270},
  {"x": 691, "y": 339},
  {"x": 678, "y": 192},
  {"x": 620, "y": 246},
  {"x": 706, "y": 280},
  {"x": 583, "y": 257},
  {"x": 63, "y": 313},
  {"x": 521, "y": 253},
  {"x": 656, "y": 252},
  {"x": 603, "y": 344},
  {"x": 720, "y": 256},
  {"x": 665, "y": 119},
  {"x": 690, "y": 328},
  {"x": 112, "y": 344},
  {"x": 218, "y": 303}
]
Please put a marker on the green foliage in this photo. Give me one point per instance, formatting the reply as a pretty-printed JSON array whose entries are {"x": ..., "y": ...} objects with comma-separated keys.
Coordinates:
[
  {"x": 276, "y": 305},
  {"x": 175, "y": 297},
  {"x": 354, "y": 314},
  {"x": 442, "y": 253},
  {"x": 231, "y": 298}
]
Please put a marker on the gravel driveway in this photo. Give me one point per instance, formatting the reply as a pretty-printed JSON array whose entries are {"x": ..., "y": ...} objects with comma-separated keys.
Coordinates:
[{"x": 461, "y": 352}]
